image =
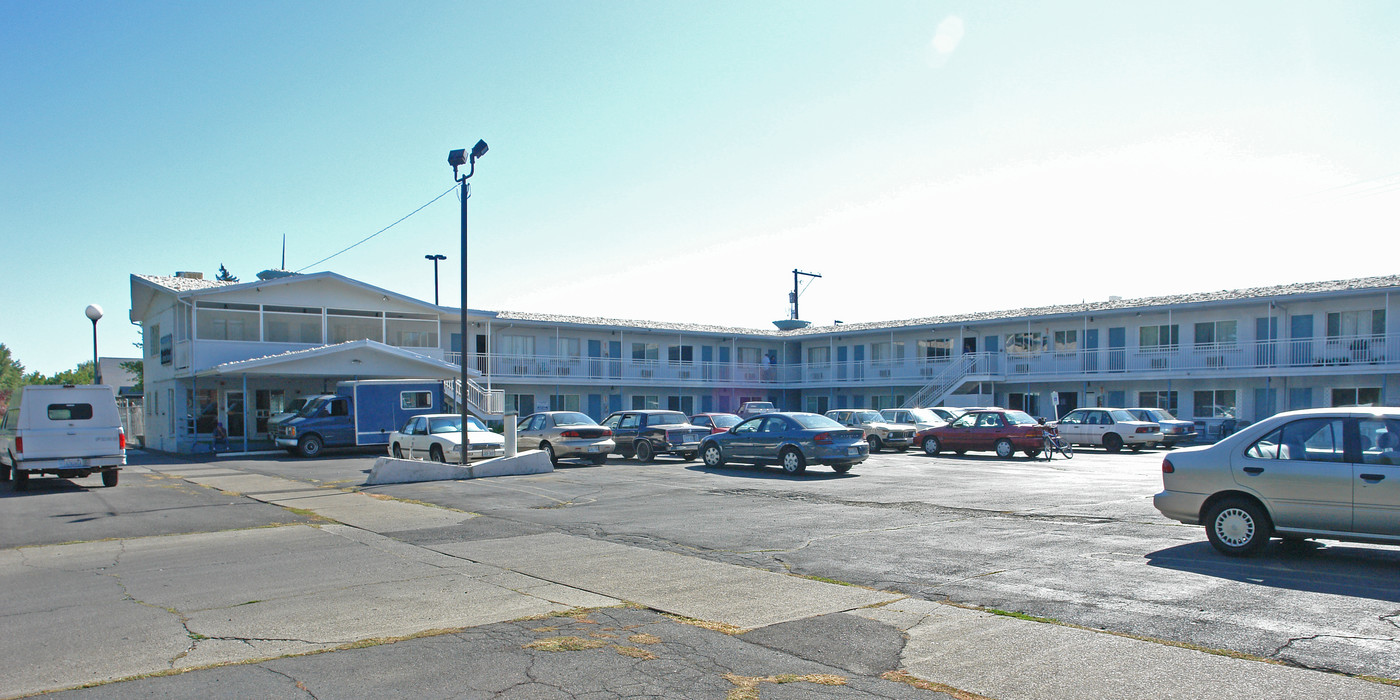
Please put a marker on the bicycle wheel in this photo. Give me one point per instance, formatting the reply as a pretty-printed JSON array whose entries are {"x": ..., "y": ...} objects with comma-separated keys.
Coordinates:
[{"x": 1066, "y": 450}]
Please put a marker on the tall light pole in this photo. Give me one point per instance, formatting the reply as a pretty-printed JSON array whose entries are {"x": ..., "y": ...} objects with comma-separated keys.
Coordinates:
[
  {"x": 435, "y": 258},
  {"x": 456, "y": 159},
  {"x": 94, "y": 312}
]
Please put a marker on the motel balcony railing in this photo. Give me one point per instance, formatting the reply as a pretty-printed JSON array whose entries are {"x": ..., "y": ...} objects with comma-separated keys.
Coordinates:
[{"x": 1358, "y": 353}]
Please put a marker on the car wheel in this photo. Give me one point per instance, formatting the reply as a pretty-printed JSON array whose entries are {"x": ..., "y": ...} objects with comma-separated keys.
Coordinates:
[
  {"x": 310, "y": 446},
  {"x": 4, "y": 472},
  {"x": 1135, "y": 448},
  {"x": 109, "y": 478},
  {"x": 1237, "y": 527},
  {"x": 932, "y": 446},
  {"x": 841, "y": 468},
  {"x": 875, "y": 445},
  {"x": 549, "y": 450},
  {"x": 398, "y": 453},
  {"x": 1004, "y": 448},
  {"x": 435, "y": 453},
  {"x": 687, "y": 456},
  {"x": 1112, "y": 442},
  {"x": 1032, "y": 453},
  {"x": 599, "y": 459},
  {"x": 644, "y": 452},
  {"x": 793, "y": 462},
  {"x": 711, "y": 455}
]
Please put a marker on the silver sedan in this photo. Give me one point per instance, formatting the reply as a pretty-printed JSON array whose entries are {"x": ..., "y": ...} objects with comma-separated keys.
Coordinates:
[
  {"x": 1328, "y": 473},
  {"x": 565, "y": 434}
]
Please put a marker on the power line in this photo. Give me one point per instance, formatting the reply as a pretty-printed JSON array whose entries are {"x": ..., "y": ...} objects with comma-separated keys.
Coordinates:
[{"x": 382, "y": 230}]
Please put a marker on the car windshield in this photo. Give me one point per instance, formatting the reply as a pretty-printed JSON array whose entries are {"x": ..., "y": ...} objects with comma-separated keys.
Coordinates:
[
  {"x": 573, "y": 419},
  {"x": 923, "y": 415},
  {"x": 868, "y": 417},
  {"x": 666, "y": 419},
  {"x": 759, "y": 405},
  {"x": 445, "y": 424},
  {"x": 813, "y": 421},
  {"x": 1121, "y": 415},
  {"x": 725, "y": 421},
  {"x": 1159, "y": 414},
  {"x": 311, "y": 408},
  {"x": 1020, "y": 418},
  {"x": 295, "y": 406}
]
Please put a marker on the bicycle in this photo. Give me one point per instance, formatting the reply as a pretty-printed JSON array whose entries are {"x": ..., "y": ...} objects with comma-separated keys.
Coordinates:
[{"x": 1054, "y": 443}]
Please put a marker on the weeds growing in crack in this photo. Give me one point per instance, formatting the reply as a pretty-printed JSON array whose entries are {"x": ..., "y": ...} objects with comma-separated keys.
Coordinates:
[{"x": 921, "y": 684}]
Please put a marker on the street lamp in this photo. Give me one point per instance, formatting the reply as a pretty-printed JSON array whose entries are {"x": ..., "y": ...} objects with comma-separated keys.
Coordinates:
[
  {"x": 435, "y": 258},
  {"x": 94, "y": 313},
  {"x": 456, "y": 159}
]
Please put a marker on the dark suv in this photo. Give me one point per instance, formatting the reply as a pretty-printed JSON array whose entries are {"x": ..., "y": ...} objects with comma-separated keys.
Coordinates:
[{"x": 647, "y": 433}]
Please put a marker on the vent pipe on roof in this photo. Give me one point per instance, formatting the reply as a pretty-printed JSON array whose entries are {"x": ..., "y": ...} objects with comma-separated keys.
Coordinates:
[{"x": 190, "y": 275}]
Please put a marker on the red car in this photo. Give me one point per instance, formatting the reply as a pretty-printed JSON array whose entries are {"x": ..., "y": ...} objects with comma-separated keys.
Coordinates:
[
  {"x": 986, "y": 430},
  {"x": 716, "y": 422}
]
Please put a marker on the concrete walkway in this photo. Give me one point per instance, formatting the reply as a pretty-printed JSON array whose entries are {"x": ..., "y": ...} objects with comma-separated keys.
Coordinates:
[{"x": 116, "y": 609}]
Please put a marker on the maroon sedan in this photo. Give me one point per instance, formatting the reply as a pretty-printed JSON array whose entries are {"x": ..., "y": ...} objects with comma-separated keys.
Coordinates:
[
  {"x": 986, "y": 430},
  {"x": 716, "y": 422}
]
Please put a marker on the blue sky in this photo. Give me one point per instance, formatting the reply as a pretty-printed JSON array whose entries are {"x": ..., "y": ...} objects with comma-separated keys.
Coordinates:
[{"x": 675, "y": 161}]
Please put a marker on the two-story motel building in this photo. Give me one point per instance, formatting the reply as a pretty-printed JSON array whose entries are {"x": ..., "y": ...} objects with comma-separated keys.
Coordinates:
[{"x": 239, "y": 352}]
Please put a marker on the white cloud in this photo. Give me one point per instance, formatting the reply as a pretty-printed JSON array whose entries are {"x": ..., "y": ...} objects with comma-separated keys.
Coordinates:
[{"x": 946, "y": 39}]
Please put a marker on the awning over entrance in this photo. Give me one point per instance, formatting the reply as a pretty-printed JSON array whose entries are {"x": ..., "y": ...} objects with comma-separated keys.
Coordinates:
[{"x": 363, "y": 359}]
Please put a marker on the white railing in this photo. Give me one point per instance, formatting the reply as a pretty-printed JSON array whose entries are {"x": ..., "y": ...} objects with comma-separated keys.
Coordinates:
[
  {"x": 486, "y": 402},
  {"x": 1224, "y": 358}
]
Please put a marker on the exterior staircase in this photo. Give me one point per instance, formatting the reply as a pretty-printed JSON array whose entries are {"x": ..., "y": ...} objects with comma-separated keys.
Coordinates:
[
  {"x": 945, "y": 382},
  {"x": 481, "y": 402}
]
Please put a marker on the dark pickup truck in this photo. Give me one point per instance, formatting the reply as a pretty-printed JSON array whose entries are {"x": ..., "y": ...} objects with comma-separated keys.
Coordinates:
[{"x": 647, "y": 433}]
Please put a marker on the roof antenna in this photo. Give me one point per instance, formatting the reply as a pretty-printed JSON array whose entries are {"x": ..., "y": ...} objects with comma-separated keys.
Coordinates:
[
  {"x": 284, "y": 251},
  {"x": 793, "y": 322}
]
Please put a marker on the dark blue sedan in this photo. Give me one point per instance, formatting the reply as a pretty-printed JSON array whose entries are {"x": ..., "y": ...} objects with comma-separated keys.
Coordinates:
[{"x": 790, "y": 440}]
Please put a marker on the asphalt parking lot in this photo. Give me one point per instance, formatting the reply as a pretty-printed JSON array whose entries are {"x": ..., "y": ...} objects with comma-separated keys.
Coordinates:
[{"x": 1076, "y": 541}]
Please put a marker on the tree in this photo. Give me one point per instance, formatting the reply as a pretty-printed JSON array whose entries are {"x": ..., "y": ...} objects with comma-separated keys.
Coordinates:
[
  {"x": 138, "y": 369},
  {"x": 224, "y": 275},
  {"x": 82, "y": 374},
  {"x": 11, "y": 370}
]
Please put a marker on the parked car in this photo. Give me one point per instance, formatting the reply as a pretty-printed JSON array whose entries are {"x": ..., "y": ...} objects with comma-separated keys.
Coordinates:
[
  {"x": 948, "y": 413},
  {"x": 716, "y": 422},
  {"x": 755, "y": 408},
  {"x": 292, "y": 411},
  {"x": 920, "y": 418},
  {"x": 1329, "y": 473},
  {"x": 1110, "y": 427},
  {"x": 1174, "y": 430},
  {"x": 878, "y": 432},
  {"x": 438, "y": 437},
  {"x": 650, "y": 432},
  {"x": 69, "y": 430},
  {"x": 565, "y": 434},
  {"x": 981, "y": 430},
  {"x": 790, "y": 440}
]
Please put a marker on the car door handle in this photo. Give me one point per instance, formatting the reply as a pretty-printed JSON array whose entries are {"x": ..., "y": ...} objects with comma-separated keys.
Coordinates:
[
  {"x": 1372, "y": 477},
  {"x": 1254, "y": 470}
]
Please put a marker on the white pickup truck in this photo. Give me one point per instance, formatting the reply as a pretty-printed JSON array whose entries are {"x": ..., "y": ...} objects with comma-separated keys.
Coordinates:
[{"x": 70, "y": 431}]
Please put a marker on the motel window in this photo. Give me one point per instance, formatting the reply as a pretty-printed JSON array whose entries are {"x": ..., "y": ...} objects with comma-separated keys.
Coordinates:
[
  {"x": 936, "y": 349},
  {"x": 887, "y": 352},
  {"x": 1219, "y": 403},
  {"x": 1349, "y": 323},
  {"x": 1366, "y": 396},
  {"x": 226, "y": 321},
  {"x": 290, "y": 324},
  {"x": 1159, "y": 337},
  {"x": 749, "y": 356},
  {"x": 406, "y": 330},
  {"x": 646, "y": 352},
  {"x": 564, "y": 402},
  {"x": 640, "y": 403},
  {"x": 1216, "y": 333},
  {"x": 1165, "y": 400},
  {"x": 345, "y": 325},
  {"x": 516, "y": 345},
  {"x": 1024, "y": 343},
  {"x": 680, "y": 354},
  {"x": 818, "y": 355},
  {"x": 1066, "y": 341}
]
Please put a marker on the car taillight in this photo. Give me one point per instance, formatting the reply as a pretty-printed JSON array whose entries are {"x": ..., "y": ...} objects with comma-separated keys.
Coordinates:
[
  {"x": 822, "y": 439},
  {"x": 19, "y": 445},
  {"x": 569, "y": 433},
  {"x": 1145, "y": 429},
  {"x": 121, "y": 439},
  {"x": 607, "y": 432},
  {"x": 1167, "y": 467}
]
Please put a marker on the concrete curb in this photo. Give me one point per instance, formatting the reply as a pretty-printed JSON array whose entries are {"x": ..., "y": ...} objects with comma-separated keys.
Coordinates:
[{"x": 388, "y": 470}]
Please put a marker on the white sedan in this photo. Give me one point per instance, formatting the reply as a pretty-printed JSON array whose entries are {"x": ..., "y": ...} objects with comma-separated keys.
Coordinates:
[
  {"x": 1111, "y": 427},
  {"x": 438, "y": 437}
]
